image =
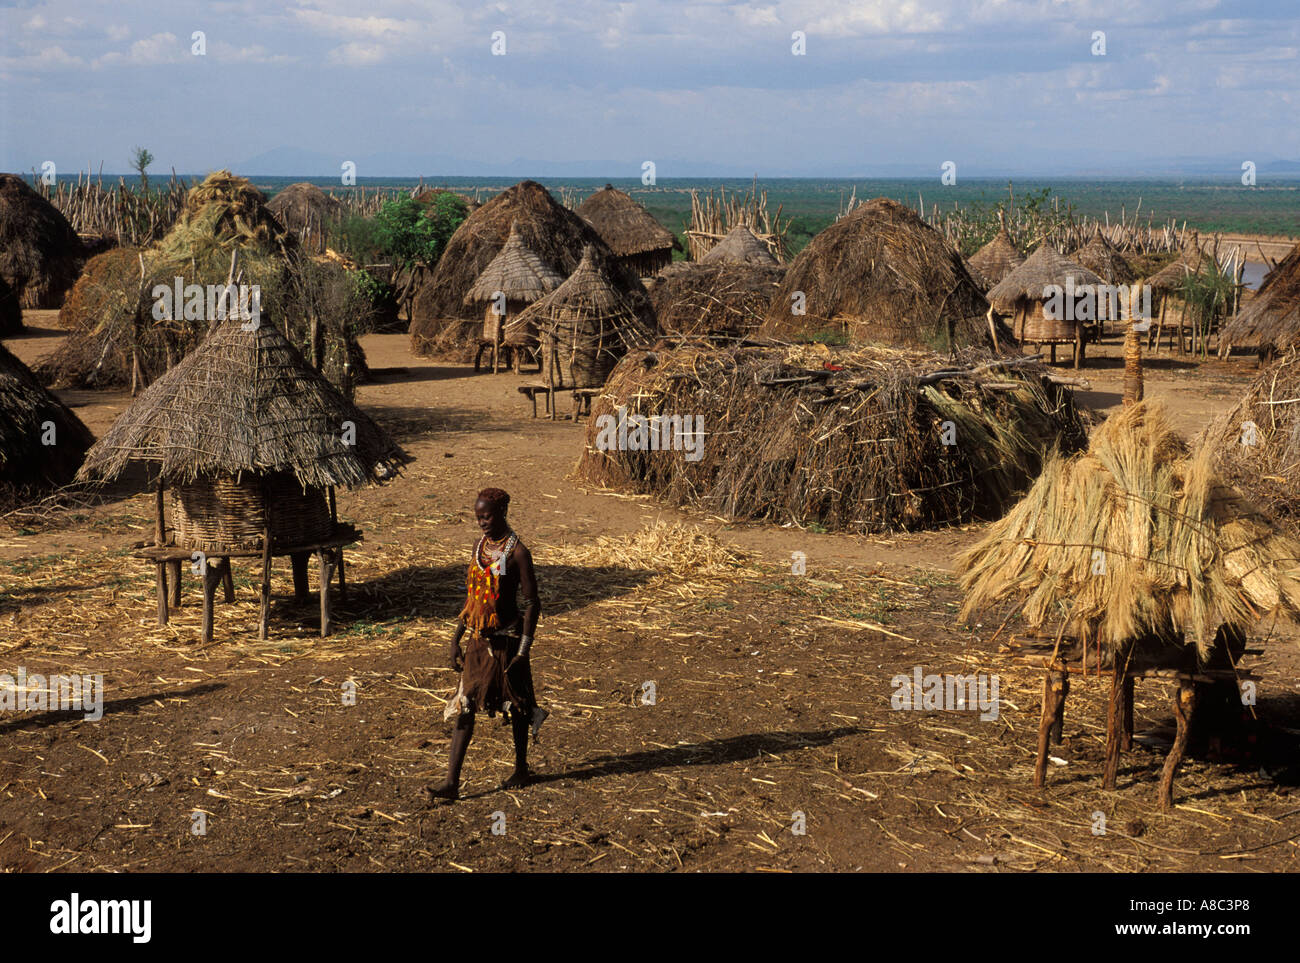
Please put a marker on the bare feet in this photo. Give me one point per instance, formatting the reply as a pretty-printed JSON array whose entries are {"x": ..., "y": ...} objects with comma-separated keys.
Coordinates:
[
  {"x": 447, "y": 792},
  {"x": 518, "y": 779}
]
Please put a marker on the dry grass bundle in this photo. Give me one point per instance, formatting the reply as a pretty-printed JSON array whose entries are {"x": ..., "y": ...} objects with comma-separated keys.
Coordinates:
[
  {"x": 42, "y": 443},
  {"x": 442, "y": 324},
  {"x": 672, "y": 549},
  {"x": 114, "y": 339},
  {"x": 715, "y": 297},
  {"x": 1136, "y": 538},
  {"x": 848, "y": 440},
  {"x": 881, "y": 275},
  {"x": 40, "y": 253},
  {"x": 246, "y": 402},
  {"x": 1272, "y": 316}
]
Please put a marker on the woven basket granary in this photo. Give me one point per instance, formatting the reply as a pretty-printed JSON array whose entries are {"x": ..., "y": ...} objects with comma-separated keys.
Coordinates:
[
  {"x": 1034, "y": 326},
  {"x": 230, "y": 513}
]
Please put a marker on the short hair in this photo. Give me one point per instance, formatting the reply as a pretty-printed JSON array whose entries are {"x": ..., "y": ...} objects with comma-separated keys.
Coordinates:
[{"x": 496, "y": 498}]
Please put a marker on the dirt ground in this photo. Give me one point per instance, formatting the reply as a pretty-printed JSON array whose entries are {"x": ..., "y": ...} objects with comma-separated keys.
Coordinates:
[{"x": 771, "y": 708}]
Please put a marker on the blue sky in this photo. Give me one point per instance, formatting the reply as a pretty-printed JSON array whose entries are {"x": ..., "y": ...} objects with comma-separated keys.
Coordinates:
[{"x": 406, "y": 88}]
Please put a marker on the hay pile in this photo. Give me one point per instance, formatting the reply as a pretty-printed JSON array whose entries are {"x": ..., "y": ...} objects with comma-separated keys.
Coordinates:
[
  {"x": 1180, "y": 552},
  {"x": 28, "y": 465},
  {"x": 442, "y": 324},
  {"x": 40, "y": 253},
  {"x": 881, "y": 275},
  {"x": 672, "y": 549},
  {"x": 849, "y": 440},
  {"x": 115, "y": 341},
  {"x": 1272, "y": 316},
  {"x": 715, "y": 297},
  {"x": 740, "y": 246},
  {"x": 304, "y": 210}
]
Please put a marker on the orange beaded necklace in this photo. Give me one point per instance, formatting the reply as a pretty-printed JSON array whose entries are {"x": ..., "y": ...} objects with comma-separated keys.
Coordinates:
[{"x": 483, "y": 587}]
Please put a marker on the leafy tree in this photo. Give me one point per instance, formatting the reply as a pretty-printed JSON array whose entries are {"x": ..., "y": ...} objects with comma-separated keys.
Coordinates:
[{"x": 141, "y": 158}]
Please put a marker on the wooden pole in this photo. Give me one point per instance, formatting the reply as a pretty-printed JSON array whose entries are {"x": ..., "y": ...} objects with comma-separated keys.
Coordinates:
[
  {"x": 160, "y": 531},
  {"x": 1114, "y": 724},
  {"x": 1184, "y": 706},
  {"x": 324, "y": 556},
  {"x": 265, "y": 619}
]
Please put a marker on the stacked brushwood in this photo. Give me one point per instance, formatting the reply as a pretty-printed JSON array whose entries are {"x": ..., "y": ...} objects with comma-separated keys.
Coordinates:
[
  {"x": 849, "y": 440},
  {"x": 715, "y": 298}
]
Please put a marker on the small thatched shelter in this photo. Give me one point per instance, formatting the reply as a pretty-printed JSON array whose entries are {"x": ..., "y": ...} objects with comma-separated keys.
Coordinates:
[
  {"x": 715, "y": 297},
  {"x": 855, "y": 440},
  {"x": 632, "y": 233},
  {"x": 995, "y": 260},
  {"x": 1271, "y": 319},
  {"x": 514, "y": 279},
  {"x": 587, "y": 324},
  {"x": 740, "y": 246},
  {"x": 252, "y": 442},
  {"x": 304, "y": 210},
  {"x": 1049, "y": 298},
  {"x": 42, "y": 443},
  {"x": 442, "y": 323},
  {"x": 1104, "y": 260},
  {"x": 40, "y": 253},
  {"x": 880, "y": 275}
]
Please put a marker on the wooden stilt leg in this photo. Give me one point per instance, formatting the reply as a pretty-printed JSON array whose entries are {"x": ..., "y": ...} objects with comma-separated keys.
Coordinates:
[
  {"x": 1051, "y": 694},
  {"x": 211, "y": 576},
  {"x": 1114, "y": 724},
  {"x": 301, "y": 585},
  {"x": 1126, "y": 743},
  {"x": 174, "y": 582},
  {"x": 161, "y": 586},
  {"x": 343, "y": 581},
  {"x": 1184, "y": 706},
  {"x": 324, "y": 557},
  {"x": 264, "y": 621},
  {"x": 227, "y": 580},
  {"x": 1058, "y": 718},
  {"x": 1078, "y": 347}
]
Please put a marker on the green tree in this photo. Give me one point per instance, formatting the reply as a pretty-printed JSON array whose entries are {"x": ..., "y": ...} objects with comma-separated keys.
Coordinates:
[{"x": 140, "y": 161}]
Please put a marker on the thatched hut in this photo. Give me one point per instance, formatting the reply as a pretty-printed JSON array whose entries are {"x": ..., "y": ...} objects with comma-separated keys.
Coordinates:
[
  {"x": 252, "y": 443},
  {"x": 121, "y": 335},
  {"x": 1136, "y": 550},
  {"x": 442, "y": 323},
  {"x": 880, "y": 275},
  {"x": 636, "y": 238},
  {"x": 995, "y": 260},
  {"x": 740, "y": 246},
  {"x": 304, "y": 210},
  {"x": 1104, "y": 260},
  {"x": 1270, "y": 321},
  {"x": 40, "y": 253},
  {"x": 42, "y": 443},
  {"x": 1049, "y": 298},
  {"x": 1169, "y": 284},
  {"x": 855, "y": 440},
  {"x": 514, "y": 279},
  {"x": 11, "y": 315},
  {"x": 587, "y": 324},
  {"x": 715, "y": 297}
]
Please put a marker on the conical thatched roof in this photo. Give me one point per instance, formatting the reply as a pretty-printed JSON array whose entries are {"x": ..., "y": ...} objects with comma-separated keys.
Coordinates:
[
  {"x": 303, "y": 206},
  {"x": 1272, "y": 316},
  {"x": 1101, "y": 257},
  {"x": 740, "y": 246},
  {"x": 1136, "y": 537},
  {"x": 623, "y": 224},
  {"x": 1042, "y": 269},
  {"x": 551, "y": 231},
  {"x": 880, "y": 275},
  {"x": 593, "y": 302},
  {"x": 516, "y": 272},
  {"x": 40, "y": 253},
  {"x": 246, "y": 402},
  {"x": 28, "y": 464},
  {"x": 1189, "y": 261},
  {"x": 996, "y": 259}
]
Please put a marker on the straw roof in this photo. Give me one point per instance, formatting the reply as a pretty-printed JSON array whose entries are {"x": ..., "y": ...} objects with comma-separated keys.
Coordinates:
[
  {"x": 516, "y": 272},
  {"x": 996, "y": 259},
  {"x": 1272, "y": 316},
  {"x": 1189, "y": 261},
  {"x": 880, "y": 275},
  {"x": 1101, "y": 257},
  {"x": 591, "y": 304},
  {"x": 1045, "y": 267},
  {"x": 246, "y": 401},
  {"x": 303, "y": 205},
  {"x": 223, "y": 212},
  {"x": 740, "y": 246},
  {"x": 40, "y": 253},
  {"x": 1137, "y": 537},
  {"x": 27, "y": 464},
  {"x": 626, "y": 226},
  {"x": 715, "y": 297}
]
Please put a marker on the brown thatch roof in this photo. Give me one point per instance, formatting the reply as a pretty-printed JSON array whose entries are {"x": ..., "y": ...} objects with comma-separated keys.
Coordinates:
[
  {"x": 1272, "y": 316},
  {"x": 715, "y": 297},
  {"x": 1042, "y": 269},
  {"x": 1101, "y": 257},
  {"x": 843, "y": 438},
  {"x": 246, "y": 402},
  {"x": 593, "y": 305},
  {"x": 303, "y": 207},
  {"x": 740, "y": 246},
  {"x": 27, "y": 464},
  {"x": 1136, "y": 538},
  {"x": 1189, "y": 261},
  {"x": 516, "y": 272},
  {"x": 40, "y": 253},
  {"x": 623, "y": 224},
  {"x": 996, "y": 259},
  {"x": 881, "y": 275}
]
